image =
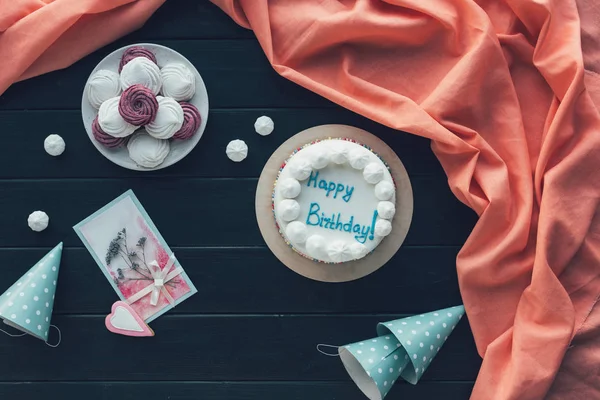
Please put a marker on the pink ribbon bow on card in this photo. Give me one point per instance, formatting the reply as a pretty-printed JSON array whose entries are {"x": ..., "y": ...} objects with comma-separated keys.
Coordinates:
[{"x": 161, "y": 277}]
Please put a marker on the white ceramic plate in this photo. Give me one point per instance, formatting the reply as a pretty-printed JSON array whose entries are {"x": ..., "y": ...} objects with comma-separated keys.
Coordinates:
[{"x": 179, "y": 148}]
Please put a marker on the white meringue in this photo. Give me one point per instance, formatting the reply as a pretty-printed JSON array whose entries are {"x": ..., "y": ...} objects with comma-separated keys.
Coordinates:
[
  {"x": 338, "y": 251},
  {"x": 264, "y": 125},
  {"x": 288, "y": 210},
  {"x": 169, "y": 118},
  {"x": 320, "y": 158},
  {"x": 316, "y": 247},
  {"x": 101, "y": 86},
  {"x": 178, "y": 81},
  {"x": 147, "y": 151},
  {"x": 296, "y": 232},
  {"x": 289, "y": 188},
  {"x": 300, "y": 168},
  {"x": 383, "y": 227},
  {"x": 358, "y": 250},
  {"x": 38, "y": 221},
  {"x": 358, "y": 158},
  {"x": 237, "y": 150},
  {"x": 373, "y": 172},
  {"x": 338, "y": 151},
  {"x": 111, "y": 121},
  {"x": 54, "y": 145},
  {"x": 386, "y": 209},
  {"x": 384, "y": 190},
  {"x": 143, "y": 71}
]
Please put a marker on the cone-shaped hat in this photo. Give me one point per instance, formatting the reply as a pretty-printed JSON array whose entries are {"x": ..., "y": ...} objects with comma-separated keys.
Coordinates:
[{"x": 27, "y": 304}]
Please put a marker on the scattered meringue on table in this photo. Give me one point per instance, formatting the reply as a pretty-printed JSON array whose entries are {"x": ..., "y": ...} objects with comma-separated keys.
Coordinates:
[
  {"x": 138, "y": 105},
  {"x": 101, "y": 86},
  {"x": 38, "y": 221},
  {"x": 111, "y": 121},
  {"x": 169, "y": 119},
  {"x": 133, "y": 52},
  {"x": 191, "y": 121},
  {"x": 147, "y": 151},
  {"x": 237, "y": 150},
  {"x": 143, "y": 71},
  {"x": 54, "y": 145},
  {"x": 178, "y": 82},
  {"x": 264, "y": 125}
]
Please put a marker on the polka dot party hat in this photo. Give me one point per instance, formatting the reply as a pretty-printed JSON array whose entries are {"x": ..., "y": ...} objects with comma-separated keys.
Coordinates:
[
  {"x": 405, "y": 348},
  {"x": 27, "y": 304}
]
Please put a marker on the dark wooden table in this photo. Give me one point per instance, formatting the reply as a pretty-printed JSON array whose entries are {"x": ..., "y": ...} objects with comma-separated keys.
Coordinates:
[{"x": 250, "y": 332}]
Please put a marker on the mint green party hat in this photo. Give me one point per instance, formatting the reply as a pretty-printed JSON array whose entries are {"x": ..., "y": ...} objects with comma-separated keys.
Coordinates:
[
  {"x": 27, "y": 304},
  {"x": 405, "y": 348}
]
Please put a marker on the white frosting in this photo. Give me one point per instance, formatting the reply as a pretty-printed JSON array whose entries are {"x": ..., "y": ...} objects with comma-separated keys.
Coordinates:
[
  {"x": 339, "y": 251},
  {"x": 289, "y": 188},
  {"x": 316, "y": 246},
  {"x": 146, "y": 151},
  {"x": 288, "y": 210},
  {"x": 335, "y": 190},
  {"x": 358, "y": 250},
  {"x": 54, "y": 145},
  {"x": 178, "y": 81},
  {"x": 383, "y": 227},
  {"x": 143, "y": 71},
  {"x": 320, "y": 158},
  {"x": 101, "y": 86},
  {"x": 38, "y": 221},
  {"x": 373, "y": 172},
  {"x": 111, "y": 121},
  {"x": 296, "y": 232},
  {"x": 264, "y": 125},
  {"x": 338, "y": 151},
  {"x": 384, "y": 190},
  {"x": 386, "y": 209},
  {"x": 237, "y": 150},
  {"x": 169, "y": 118},
  {"x": 358, "y": 158},
  {"x": 300, "y": 168}
]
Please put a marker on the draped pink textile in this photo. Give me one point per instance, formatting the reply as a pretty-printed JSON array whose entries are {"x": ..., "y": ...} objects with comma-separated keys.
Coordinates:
[{"x": 501, "y": 89}]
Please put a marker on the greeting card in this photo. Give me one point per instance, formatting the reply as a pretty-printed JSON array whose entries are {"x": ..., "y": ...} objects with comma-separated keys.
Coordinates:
[{"x": 135, "y": 258}]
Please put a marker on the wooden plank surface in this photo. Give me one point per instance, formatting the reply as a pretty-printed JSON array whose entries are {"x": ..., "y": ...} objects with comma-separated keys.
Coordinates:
[{"x": 251, "y": 330}]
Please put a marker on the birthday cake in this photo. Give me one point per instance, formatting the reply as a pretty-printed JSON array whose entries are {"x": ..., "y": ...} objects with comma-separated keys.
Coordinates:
[{"x": 334, "y": 200}]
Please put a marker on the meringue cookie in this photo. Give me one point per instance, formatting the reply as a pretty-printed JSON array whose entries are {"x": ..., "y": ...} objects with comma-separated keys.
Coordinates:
[
  {"x": 296, "y": 232},
  {"x": 386, "y": 209},
  {"x": 147, "y": 151},
  {"x": 315, "y": 246},
  {"x": 384, "y": 190},
  {"x": 358, "y": 158},
  {"x": 264, "y": 125},
  {"x": 320, "y": 158},
  {"x": 373, "y": 173},
  {"x": 288, "y": 210},
  {"x": 338, "y": 152},
  {"x": 133, "y": 52},
  {"x": 338, "y": 251},
  {"x": 54, "y": 145},
  {"x": 358, "y": 250},
  {"x": 101, "y": 86},
  {"x": 191, "y": 121},
  {"x": 300, "y": 168},
  {"x": 110, "y": 119},
  {"x": 383, "y": 227},
  {"x": 138, "y": 105},
  {"x": 237, "y": 150},
  {"x": 178, "y": 81},
  {"x": 289, "y": 188},
  {"x": 143, "y": 71},
  {"x": 169, "y": 118},
  {"x": 104, "y": 138},
  {"x": 38, "y": 221}
]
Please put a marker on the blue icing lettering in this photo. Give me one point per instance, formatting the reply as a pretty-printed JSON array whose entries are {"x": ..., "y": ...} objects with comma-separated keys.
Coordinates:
[
  {"x": 336, "y": 222},
  {"x": 330, "y": 186},
  {"x": 348, "y": 194},
  {"x": 313, "y": 212}
]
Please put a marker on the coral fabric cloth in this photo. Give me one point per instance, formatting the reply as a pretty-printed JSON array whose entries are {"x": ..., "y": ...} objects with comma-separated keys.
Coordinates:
[
  {"x": 501, "y": 89},
  {"x": 38, "y": 36}
]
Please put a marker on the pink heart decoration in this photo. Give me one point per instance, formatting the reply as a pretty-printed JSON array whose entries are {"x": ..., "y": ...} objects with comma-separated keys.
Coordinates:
[{"x": 123, "y": 320}]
